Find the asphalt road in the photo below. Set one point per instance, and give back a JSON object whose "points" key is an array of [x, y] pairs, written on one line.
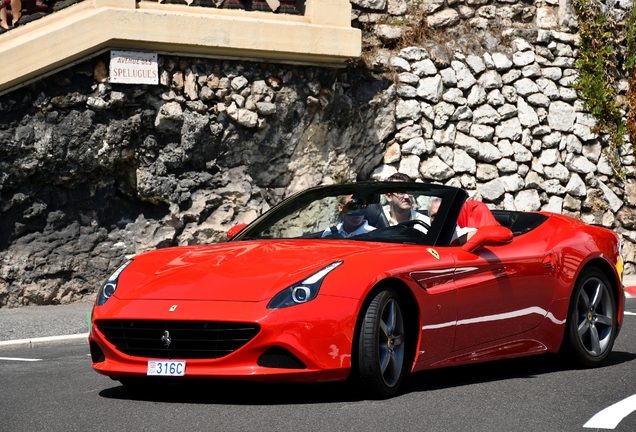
{"points": [[44, 321], [60, 392]]}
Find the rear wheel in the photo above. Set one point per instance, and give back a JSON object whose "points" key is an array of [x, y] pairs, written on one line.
{"points": [[382, 346], [591, 326]]}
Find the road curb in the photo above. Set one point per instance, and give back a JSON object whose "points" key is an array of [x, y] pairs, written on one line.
{"points": [[35, 342]]}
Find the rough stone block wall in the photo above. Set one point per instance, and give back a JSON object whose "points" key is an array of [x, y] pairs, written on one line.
{"points": [[485, 102], [510, 130]]}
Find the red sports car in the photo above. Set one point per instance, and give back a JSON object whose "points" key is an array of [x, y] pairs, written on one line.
{"points": [[366, 281]]}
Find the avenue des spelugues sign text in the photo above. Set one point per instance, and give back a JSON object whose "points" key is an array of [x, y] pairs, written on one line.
{"points": [[131, 67]]}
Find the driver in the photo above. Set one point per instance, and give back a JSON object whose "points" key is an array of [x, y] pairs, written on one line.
{"points": [[400, 205], [353, 220]]}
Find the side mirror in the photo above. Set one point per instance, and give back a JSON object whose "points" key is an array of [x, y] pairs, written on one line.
{"points": [[488, 236], [235, 230]]}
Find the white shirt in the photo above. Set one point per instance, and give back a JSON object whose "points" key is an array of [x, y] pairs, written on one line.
{"points": [[419, 216], [413, 216], [362, 229], [461, 231]]}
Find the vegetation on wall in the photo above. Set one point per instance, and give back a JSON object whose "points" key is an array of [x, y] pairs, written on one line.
{"points": [[598, 68], [630, 60]]}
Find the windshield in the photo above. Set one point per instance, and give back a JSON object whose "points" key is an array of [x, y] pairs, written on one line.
{"points": [[396, 212]]}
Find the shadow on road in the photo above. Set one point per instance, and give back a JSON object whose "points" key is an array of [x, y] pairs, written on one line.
{"points": [[250, 393], [526, 367], [236, 393]]}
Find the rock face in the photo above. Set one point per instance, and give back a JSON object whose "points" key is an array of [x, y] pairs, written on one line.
{"points": [[92, 173]]}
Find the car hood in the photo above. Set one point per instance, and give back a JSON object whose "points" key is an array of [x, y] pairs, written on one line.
{"points": [[234, 271]]}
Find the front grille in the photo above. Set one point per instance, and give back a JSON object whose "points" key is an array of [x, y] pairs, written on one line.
{"points": [[188, 339]]}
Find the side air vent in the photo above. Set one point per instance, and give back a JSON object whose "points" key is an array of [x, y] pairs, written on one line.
{"points": [[277, 357], [97, 355]]}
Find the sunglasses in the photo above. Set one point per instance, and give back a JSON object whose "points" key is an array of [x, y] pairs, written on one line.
{"points": [[400, 195], [359, 212]]}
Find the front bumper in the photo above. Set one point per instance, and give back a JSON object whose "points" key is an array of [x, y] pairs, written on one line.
{"points": [[319, 333]]}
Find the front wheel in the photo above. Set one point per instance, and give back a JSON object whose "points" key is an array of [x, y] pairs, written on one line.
{"points": [[382, 346], [591, 324]]}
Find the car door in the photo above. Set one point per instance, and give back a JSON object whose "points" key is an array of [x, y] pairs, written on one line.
{"points": [[502, 290], [437, 300]]}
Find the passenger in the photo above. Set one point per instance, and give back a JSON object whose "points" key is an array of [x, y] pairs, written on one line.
{"points": [[4, 23], [353, 220], [400, 205], [16, 13], [462, 233], [476, 214]]}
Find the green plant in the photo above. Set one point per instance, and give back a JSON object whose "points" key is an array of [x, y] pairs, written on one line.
{"points": [[391, 20], [630, 56], [630, 60], [598, 69]]}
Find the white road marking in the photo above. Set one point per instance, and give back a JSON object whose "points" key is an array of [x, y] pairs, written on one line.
{"points": [[30, 343], [19, 359], [611, 416], [630, 313]]}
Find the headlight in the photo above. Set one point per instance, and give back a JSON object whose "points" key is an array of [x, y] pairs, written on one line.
{"points": [[109, 287], [302, 292]]}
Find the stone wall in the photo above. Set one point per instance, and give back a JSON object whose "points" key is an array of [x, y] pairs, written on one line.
{"points": [[510, 130], [92, 173]]}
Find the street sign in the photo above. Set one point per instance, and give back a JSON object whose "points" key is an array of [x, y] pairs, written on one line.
{"points": [[131, 67]]}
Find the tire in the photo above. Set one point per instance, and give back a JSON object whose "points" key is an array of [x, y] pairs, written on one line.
{"points": [[591, 324], [381, 346]]}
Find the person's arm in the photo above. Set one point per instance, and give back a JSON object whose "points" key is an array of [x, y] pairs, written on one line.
{"points": [[462, 235]]}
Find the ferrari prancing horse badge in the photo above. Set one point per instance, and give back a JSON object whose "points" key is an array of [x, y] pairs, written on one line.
{"points": [[433, 252]]}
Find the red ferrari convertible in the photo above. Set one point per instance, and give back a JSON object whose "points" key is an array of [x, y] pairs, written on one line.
{"points": [[368, 282]]}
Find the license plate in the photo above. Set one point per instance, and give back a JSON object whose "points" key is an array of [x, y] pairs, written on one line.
{"points": [[166, 367]]}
